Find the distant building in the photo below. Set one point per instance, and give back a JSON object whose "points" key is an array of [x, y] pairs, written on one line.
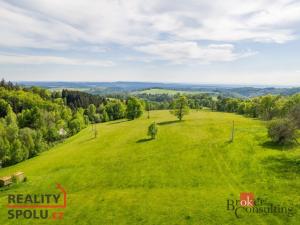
{"points": [[62, 132]]}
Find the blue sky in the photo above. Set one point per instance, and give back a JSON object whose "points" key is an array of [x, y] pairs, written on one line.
{"points": [[191, 41]]}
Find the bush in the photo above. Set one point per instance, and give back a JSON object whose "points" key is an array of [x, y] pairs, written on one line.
{"points": [[152, 130], [282, 131]]}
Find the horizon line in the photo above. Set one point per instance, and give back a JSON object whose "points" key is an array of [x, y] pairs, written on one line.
{"points": [[165, 82]]}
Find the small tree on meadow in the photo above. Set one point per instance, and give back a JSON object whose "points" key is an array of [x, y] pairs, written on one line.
{"points": [[180, 107], [152, 130]]}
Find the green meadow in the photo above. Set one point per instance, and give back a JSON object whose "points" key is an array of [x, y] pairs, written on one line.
{"points": [[185, 176], [155, 91]]}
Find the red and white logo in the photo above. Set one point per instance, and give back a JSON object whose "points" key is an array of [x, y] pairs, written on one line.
{"points": [[247, 199]]}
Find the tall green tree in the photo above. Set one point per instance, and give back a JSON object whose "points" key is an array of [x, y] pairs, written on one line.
{"points": [[26, 136], [268, 107], [91, 113], [4, 145], [74, 126], [180, 107], [3, 108], [134, 108], [294, 114], [115, 110], [18, 153], [12, 129], [104, 116]]}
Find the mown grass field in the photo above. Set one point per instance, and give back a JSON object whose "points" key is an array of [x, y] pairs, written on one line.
{"points": [[185, 176]]}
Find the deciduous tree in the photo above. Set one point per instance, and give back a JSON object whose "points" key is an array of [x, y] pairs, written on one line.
{"points": [[180, 107]]}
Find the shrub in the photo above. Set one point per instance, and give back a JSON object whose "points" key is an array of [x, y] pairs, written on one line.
{"points": [[152, 130], [282, 131]]}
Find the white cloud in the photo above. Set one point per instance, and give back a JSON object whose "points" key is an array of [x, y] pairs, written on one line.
{"points": [[42, 59], [56, 24], [181, 52]]}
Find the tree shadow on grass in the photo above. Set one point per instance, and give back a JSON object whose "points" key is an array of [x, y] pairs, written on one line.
{"points": [[284, 167], [119, 121], [168, 122], [272, 145], [228, 142], [144, 140]]}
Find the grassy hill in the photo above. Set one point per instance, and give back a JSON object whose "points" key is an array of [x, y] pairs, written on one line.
{"points": [[185, 176]]}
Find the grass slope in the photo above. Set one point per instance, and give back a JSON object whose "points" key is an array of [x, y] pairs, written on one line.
{"points": [[183, 177]]}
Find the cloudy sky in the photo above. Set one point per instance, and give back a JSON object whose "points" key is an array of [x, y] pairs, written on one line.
{"points": [[191, 41]]}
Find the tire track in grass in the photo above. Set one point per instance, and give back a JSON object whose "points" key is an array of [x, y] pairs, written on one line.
{"points": [[212, 145], [220, 158], [225, 176], [242, 187], [229, 169], [229, 174]]}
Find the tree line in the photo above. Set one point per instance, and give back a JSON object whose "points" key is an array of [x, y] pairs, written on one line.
{"points": [[166, 101], [283, 112]]}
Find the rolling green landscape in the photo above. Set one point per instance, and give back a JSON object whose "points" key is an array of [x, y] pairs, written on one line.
{"points": [[163, 112], [184, 176], [104, 88]]}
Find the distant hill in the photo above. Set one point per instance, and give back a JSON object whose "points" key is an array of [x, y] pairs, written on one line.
{"points": [[128, 87]]}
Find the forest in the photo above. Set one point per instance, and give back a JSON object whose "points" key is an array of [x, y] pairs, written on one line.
{"points": [[33, 119]]}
